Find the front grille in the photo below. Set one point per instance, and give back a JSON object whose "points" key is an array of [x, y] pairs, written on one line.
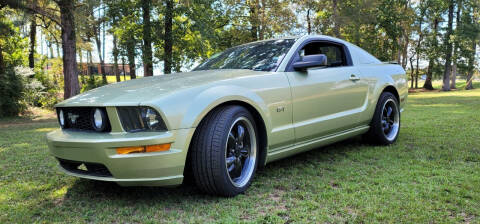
{"points": [[80, 118], [92, 169]]}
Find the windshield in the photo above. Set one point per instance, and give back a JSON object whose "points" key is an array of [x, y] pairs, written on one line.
{"points": [[258, 56]]}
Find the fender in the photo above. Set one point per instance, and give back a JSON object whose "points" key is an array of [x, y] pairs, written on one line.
{"points": [[212, 97]]}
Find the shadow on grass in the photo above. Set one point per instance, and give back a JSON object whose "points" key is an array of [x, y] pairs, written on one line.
{"points": [[91, 191]]}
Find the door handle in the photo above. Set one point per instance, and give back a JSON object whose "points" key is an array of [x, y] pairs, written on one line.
{"points": [[354, 77]]}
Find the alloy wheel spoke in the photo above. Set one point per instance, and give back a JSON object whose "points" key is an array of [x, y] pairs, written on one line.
{"points": [[244, 152], [231, 138], [389, 111], [238, 168], [240, 133], [230, 169], [230, 160]]}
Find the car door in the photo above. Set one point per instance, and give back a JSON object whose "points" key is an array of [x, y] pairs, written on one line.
{"points": [[327, 99]]}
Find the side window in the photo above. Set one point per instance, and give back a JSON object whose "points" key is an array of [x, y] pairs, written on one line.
{"points": [[335, 53]]}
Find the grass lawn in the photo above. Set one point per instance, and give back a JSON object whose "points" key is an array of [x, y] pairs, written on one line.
{"points": [[432, 174], [112, 78]]}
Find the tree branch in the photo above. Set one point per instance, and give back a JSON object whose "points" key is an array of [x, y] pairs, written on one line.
{"points": [[16, 4]]}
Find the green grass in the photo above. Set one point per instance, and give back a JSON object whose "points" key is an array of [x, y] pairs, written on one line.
{"points": [[430, 175]]}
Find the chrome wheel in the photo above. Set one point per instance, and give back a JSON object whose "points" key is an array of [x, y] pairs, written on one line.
{"points": [[390, 119], [241, 152]]}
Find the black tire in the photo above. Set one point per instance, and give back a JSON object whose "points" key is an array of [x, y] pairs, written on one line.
{"points": [[209, 151], [379, 132]]}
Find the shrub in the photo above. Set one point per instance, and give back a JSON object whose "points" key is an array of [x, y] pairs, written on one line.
{"points": [[33, 89], [92, 82], [11, 90]]}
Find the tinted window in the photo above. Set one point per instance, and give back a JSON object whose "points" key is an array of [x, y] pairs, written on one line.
{"points": [[258, 56], [335, 53]]}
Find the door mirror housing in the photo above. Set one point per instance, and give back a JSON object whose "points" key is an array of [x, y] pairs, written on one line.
{"points": [[309, 61]]}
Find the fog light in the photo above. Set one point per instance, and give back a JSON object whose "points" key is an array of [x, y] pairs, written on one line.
{"points": [[142, 149], [99, 120]]}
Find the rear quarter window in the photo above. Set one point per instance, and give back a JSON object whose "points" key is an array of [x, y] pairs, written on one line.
{"points": [[363, 57]]}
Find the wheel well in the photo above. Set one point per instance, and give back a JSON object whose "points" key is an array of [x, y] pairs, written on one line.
{"points": [[262, 131], [392, 90]]}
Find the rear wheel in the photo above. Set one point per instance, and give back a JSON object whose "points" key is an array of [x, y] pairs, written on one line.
{"points": [[385, 125], [224, 151]]}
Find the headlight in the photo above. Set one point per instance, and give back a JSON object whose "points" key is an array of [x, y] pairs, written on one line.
{"points": [[140, 119], [151, 117], [99, 120], [61, 118]]}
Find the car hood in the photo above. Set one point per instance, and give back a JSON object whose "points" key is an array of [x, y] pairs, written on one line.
{"points": [[134, 92]]}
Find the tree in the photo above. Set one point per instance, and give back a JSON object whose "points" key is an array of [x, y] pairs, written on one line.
{"points": [[336, 22], [448, 49], [470, 31], [33, 34], [147, 38], [68, 36], [456, 44], [69, 48], [127, 29], [434, 12], [168, 36]]}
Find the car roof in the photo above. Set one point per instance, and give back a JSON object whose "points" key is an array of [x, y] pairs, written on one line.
{"points": [[304, 37]]}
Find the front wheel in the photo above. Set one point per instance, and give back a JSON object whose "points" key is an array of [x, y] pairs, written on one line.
{"points": [[385, 125], [225, 151]]}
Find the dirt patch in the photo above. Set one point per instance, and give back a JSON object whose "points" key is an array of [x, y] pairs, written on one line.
{"points": [[29, 117]]}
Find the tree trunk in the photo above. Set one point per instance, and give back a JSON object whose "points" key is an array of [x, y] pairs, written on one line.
{"points": [[123, 68], [261, 20], [448, 53], [89, 64], [411, 72], [69, 50], [33, 34], [455, 47], [405, 52], [428, 81], [168, 45], [131, 58], [58, 50], [254, 19], [2, 63], [453, 77], [309, 23], [416, 81], [147, 39], [416, 70], [471, 67], [336, 24], [115, 58], [82, 73], [102, 62]]}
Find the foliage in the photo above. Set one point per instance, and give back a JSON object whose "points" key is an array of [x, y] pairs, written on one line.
{"points": [[405, 31], [11, 88], [32, 88], [92, 82]]}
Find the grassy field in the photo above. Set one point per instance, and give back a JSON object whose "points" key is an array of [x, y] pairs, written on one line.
{"points": [[430, 175]]}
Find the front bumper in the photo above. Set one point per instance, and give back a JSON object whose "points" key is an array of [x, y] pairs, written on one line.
{"points": [[139, 169]]}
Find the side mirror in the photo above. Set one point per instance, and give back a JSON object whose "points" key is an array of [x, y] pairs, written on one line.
{"points": [[309, 61]]}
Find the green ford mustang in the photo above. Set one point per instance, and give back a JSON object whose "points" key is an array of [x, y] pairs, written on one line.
{"points": [[236, 112]]}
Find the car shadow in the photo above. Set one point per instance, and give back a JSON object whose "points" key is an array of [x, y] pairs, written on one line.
{"points": [[90, 190]]}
